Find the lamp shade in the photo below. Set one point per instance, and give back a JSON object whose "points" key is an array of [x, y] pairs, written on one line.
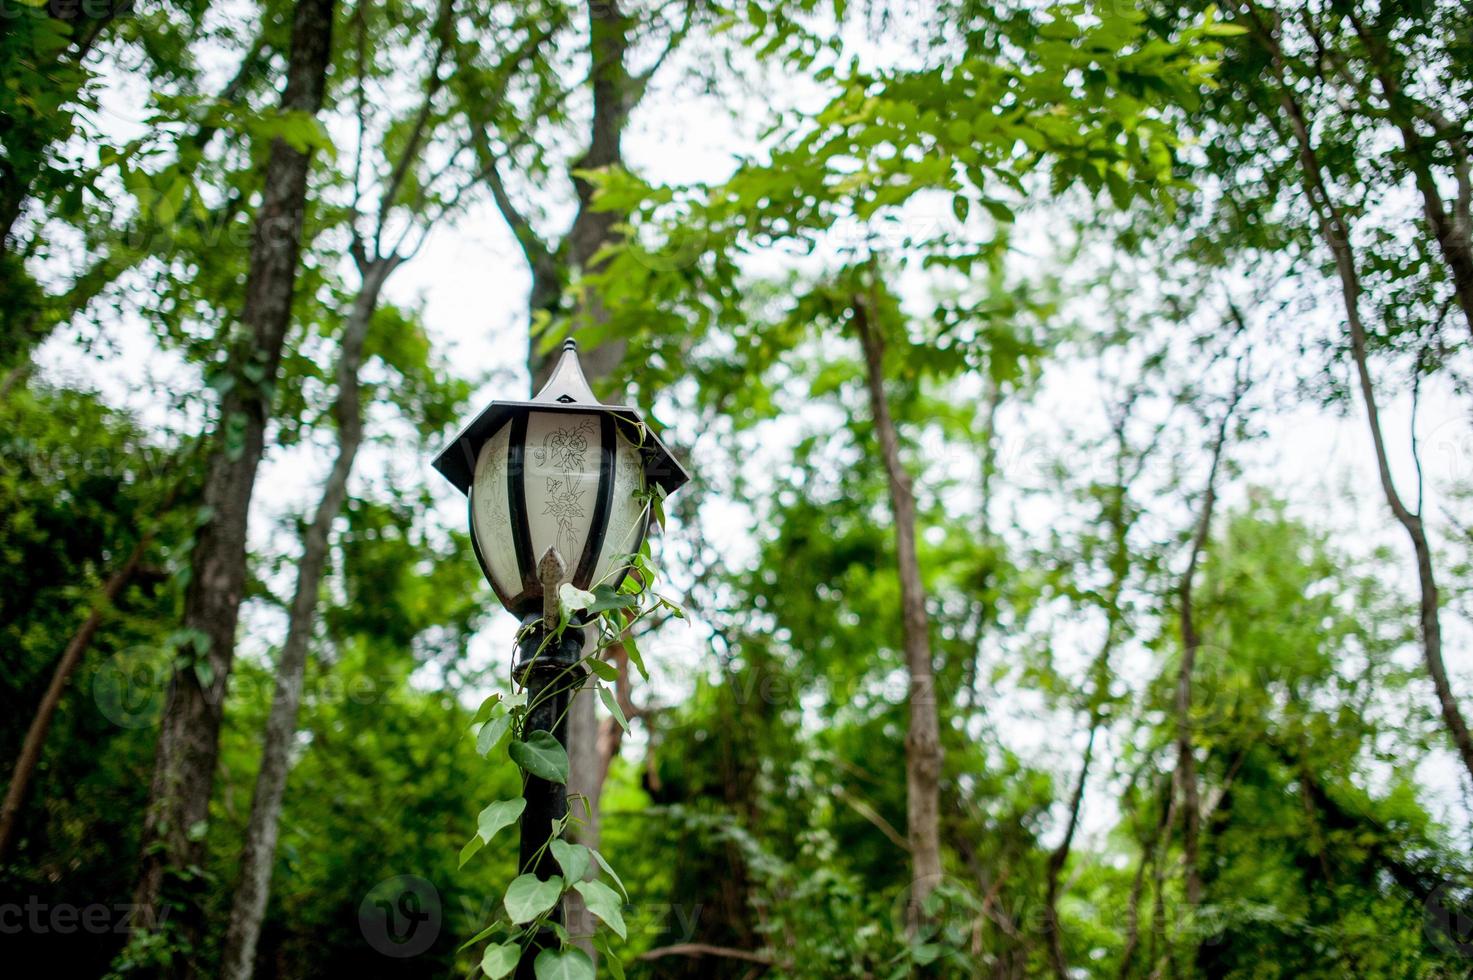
{"points": [[562, 470]]}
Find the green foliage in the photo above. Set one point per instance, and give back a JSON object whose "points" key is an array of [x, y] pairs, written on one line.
{"points": [[610, 614]]}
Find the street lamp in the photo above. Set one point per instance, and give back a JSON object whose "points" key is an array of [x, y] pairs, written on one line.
{"points": [[559, 489]]}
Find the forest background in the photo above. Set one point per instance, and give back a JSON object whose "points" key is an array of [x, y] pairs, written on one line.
{"points": [[1075, 581]]}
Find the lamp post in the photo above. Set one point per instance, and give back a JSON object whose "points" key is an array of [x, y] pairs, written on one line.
{"points": [[558, 489]]}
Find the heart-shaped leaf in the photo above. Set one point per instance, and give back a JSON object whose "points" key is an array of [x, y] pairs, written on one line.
{"points": [[487, 709], [502, 813], [603, 902], [606, 598], [541, 755], [635, 657], [611, 963], [563, 964], [491, 733], [574, 598], [493, 927], [500, 959], [527, 897], [572, 858]]}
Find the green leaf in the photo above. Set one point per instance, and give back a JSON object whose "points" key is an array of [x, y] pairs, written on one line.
{"points": [[1000, 211], [563, 964], [611, 961], [572, 858], [469, 850], [542, 756], [487, 709], [527, 897], [602, 669], [635, 657], [609, 870], [606, 597], [493, 927], [603, 902], [613, 706], [574, 598], [491, 734], [500, 959], [502, 813]]}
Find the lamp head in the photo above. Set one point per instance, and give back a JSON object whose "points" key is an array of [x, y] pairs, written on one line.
{"points": [[563, 470]]}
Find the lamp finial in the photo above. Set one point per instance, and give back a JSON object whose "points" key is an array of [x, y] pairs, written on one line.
{"points": [[567, 384]]}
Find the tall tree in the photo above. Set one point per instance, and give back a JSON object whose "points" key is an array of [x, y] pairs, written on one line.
{"points": [[923, 736], [190, 729], [1186, 784], [376, 253], [1117, 518], [259, 852], [1432, 144], [1334, 227]]}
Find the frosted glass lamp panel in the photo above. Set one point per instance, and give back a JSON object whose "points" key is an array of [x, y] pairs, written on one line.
{"points": [[491, 515], [561, 465], [628, 512]]}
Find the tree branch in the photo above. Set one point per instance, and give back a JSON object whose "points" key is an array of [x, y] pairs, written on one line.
{"points": [[705, 949]]}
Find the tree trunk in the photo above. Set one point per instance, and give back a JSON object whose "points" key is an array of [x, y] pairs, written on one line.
{"points": [[173, 841], [1335, 230], [15, 376], [258, 854], [30, 752], [923, 738], [1057, 859], [592, 231], [1116, 515], [1191, 643], [1149, 846]]}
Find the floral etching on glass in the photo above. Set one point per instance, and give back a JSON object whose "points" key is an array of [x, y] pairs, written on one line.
{"points": [[565, 450]]}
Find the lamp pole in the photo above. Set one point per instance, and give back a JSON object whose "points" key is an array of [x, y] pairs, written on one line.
{"points": [[570, 479], [550, 673]]}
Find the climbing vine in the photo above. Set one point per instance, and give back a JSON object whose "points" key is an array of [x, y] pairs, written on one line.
{"points": [[611, 609]]}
